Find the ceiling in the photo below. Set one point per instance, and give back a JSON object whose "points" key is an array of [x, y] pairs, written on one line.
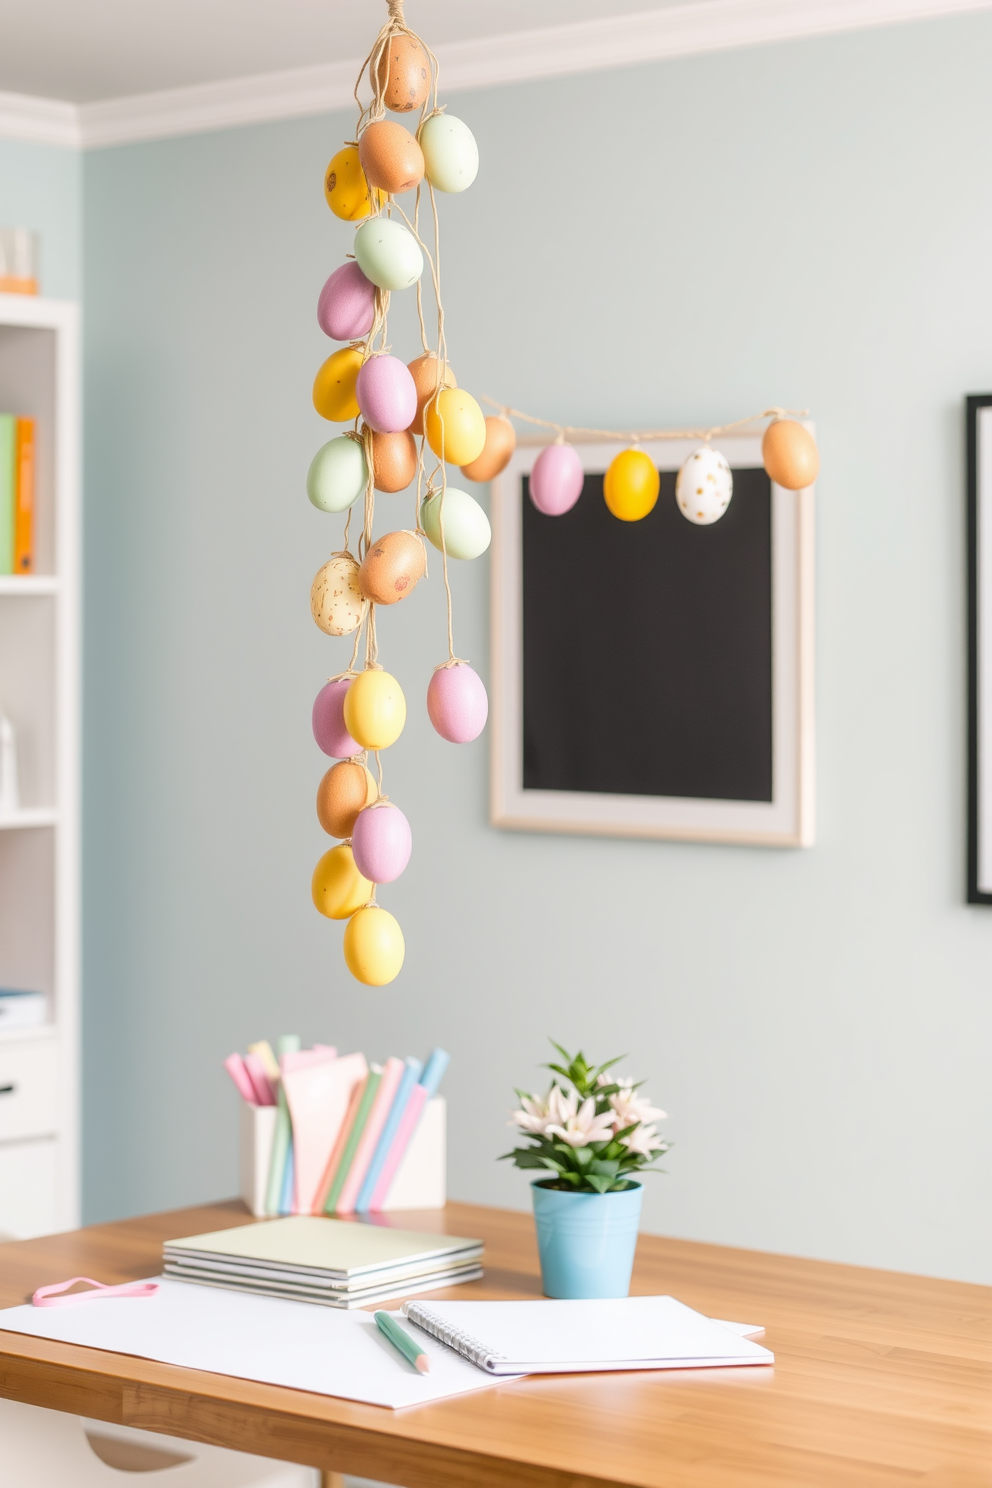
{"points": [[88, 50]]}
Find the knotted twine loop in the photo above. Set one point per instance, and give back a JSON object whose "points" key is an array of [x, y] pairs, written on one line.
{"points": [[452, 661], [637, 436]]}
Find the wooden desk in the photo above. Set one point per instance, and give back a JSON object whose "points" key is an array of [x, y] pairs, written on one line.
{"points": [[881, 1379]]}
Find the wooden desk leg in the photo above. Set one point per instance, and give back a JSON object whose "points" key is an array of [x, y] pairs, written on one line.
{"points": [[331, 1480]]}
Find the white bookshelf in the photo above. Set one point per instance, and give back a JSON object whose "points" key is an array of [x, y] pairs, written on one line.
{"points": [[39, 844]]}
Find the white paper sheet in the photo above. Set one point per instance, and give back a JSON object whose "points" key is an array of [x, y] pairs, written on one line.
{"points": [[256, 1338]]}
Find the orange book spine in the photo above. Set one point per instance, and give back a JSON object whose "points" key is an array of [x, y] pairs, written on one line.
{"points": [[24, 498]]}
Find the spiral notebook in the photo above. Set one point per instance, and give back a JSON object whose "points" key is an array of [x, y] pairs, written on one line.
{"points": [[578, 1337]]}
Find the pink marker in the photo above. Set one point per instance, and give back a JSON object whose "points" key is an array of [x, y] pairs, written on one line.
{"points": [[235, 1067], [265, 1094]]}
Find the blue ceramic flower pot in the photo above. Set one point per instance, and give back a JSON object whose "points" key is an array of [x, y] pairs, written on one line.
{"points": [[586, 1240]]}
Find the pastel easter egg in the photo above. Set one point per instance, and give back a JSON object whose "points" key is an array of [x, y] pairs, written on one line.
{"points": [[346, 190], [334, 394], [386, 394], [556, 480], [388, 254], [338, 474], [704, 486], [455, 426], [451, 155], [403, 74], [327, 720], [373, 946], [789, 454], [391, 158], [382, 842], [631, 485], [343, 792], [337, 887], [375, 709], [467, 532], [428, 381], [337, 603], [392, 567], [394, 460], [457, 703], [501, 441], [346, 307]]}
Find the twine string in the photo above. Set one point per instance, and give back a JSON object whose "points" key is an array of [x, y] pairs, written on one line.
{"points": [[645, 436]]}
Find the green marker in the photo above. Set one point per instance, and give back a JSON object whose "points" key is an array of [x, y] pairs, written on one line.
{"points": [[400, 1339]]}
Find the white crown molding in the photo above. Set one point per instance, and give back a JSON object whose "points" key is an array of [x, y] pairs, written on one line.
{"points": [[555, 51], [40, 121]]}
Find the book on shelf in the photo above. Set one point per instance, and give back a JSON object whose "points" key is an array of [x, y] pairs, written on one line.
{"points": [[17, 494]]}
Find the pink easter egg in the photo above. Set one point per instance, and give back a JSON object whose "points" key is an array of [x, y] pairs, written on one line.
{"points": [[328, 721], [381, 842], [346, 308], [387, 394], [556, 480], [457, 703]]}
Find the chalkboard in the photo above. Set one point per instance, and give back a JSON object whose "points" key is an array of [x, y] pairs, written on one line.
{"points": [[654, 678], [647, 647]]}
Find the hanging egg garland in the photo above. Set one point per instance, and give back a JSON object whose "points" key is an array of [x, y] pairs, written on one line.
{"points": [[411, 410]]}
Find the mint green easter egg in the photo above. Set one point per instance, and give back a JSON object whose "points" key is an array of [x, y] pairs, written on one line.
{"points": [[388, 253], [338, 474], [451, 156], [466, 527]]}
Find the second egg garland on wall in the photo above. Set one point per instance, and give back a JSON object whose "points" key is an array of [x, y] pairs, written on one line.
{"points": [[410, 420]]}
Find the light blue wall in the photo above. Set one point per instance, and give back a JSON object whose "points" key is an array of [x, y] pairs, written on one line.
{"points": [[802, 224], [41, 188]]}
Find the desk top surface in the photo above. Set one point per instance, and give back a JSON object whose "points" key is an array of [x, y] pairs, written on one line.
{"points": [[880, 1379]]}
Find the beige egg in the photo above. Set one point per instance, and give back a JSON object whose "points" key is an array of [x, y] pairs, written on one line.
{"points": [[404, 74], [392, 567], [789, 455], [344, 791], [390, 157], [501, 441], [336, 599], [423, 370], [394, 460]]}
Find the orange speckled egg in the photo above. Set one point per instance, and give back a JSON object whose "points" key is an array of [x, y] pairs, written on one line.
{"points": [[392, 567], [394, 460], [789, 455], [501, 441], [424, 371], [345, 790], [403, 72], [336, 600], [391, 158]]}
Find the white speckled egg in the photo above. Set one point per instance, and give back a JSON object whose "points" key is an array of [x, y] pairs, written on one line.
{"points": [[704, 486], [451, 155], [336, 599]]}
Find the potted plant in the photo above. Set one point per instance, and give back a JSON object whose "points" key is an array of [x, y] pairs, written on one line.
{"points": [[593, 1134]]}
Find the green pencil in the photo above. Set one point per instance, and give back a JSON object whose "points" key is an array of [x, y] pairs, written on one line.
{"points": [[400, 1339]]}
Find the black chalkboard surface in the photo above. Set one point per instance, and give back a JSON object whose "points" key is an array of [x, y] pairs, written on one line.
{"points": [[647, 647]]}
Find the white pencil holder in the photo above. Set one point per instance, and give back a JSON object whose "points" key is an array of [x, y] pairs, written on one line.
{"points": [[420, 1181]]}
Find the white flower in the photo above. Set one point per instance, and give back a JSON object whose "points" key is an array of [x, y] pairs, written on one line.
{"points": [[580, 1125], [538, 1113], [643, 1140], [629, 1107]]}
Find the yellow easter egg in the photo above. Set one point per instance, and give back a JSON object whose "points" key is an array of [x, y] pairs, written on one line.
{"points": [[630, 485], [346, 190], [373, 946], [374, 710], [334, 395], [337, 887], [456, 426]]}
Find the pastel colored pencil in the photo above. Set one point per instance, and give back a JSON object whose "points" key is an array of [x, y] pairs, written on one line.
{"points": [[288, 1174], [392, 1073], [422, 1092], [287, 1044], [265, 1091], [337, 1151], [263, 1050], [411, 1075], [354, 1137], [236, 1069]]}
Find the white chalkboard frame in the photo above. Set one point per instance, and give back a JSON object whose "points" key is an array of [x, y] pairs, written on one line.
{"points": [[788, 820]]}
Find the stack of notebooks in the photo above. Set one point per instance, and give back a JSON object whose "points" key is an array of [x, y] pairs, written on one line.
{"points": [[334, 1262], [17, 442]]}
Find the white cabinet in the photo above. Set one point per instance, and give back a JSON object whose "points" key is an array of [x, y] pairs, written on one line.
{"points": [[39, 844]]}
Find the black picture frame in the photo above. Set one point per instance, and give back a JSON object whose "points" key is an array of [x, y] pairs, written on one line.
{"points": [[978, 441]]}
